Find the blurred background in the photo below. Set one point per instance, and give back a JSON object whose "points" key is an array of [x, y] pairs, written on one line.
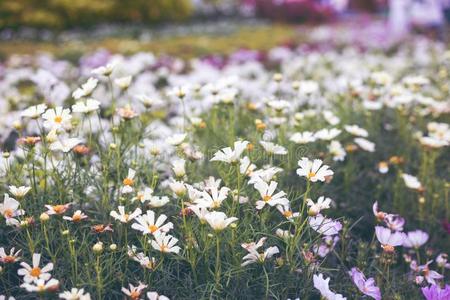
{"points": [[201, 27]]}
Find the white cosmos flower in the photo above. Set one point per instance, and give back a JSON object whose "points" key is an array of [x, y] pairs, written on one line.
{"points": [[287, 212], [34, 112], [265, 175], [57, 118], [303, 137], [86, 89], [9, 209], [178, 187], [75, 294], [156, 201], [123, 216], [64, 144], [156, 296], [229, 155], [272, 148], [123, 82], [335, 148], [415, 239], [143, 196], [165, 243], [178, 167], [20, 191], [324, 225], [34, 273], [200, 212], [327, 134], [41, 285], [322, 284], [365, 144], [315, 208], [128, 182], [148, 225], [254, 256], [134, 292], [87, 106], [219, 220], [356, 130], [267, 197], [411, 181], [432, 142], [214, 198], [246, 167], [104, 70], [331, 118], [176, 139], [313, 170]]}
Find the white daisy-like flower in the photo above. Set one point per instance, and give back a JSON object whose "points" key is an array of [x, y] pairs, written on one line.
{"points": [[34, 273], [272, 148], [123, 216], [365, 144], [57, 118], [148, 224], [267, 195], [313, 170], [75, 294], [219, 220], [303, 137], [87, 106], [34, 112], [327, 134], [165, 243], [86, 89], [229, 155], [356, 130], [316, 208], [123, 82]]}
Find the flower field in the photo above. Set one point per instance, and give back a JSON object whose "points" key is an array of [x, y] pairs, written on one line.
{"points": [[314, 171]]}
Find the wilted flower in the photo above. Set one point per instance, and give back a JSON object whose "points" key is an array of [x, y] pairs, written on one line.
{"points": [[12, 257]]}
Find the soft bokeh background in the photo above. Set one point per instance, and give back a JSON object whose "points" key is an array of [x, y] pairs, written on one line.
{"points": [[189, 28]]}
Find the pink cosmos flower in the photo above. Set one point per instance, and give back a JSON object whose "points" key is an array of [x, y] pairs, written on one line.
{"points": [[366, 286], [415, 239], [389, 239]]}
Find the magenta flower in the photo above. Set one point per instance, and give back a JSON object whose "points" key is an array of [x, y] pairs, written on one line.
{"points": [[415, 239], [434, 292], [366, 286], [389, 239]]}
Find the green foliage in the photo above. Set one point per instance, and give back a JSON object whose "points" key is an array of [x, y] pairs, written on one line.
{"points": [[59, 14]]}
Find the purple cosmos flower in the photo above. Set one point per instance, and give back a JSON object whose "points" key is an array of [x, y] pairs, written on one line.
{"points": [[389, 239], [424, 272], [415, 239], [434, 292], [366, 286], [394, 222]]}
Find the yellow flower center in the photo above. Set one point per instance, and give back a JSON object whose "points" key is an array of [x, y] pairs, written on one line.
{"points": [[152, 228], [311, 174], [76, 218], [163, 248], [59, 209], [35, 272], [388, 248], [267, 198], [8, 213], [126, 216], [135, 295], [58, 119], [128, 181], [287, 214]]}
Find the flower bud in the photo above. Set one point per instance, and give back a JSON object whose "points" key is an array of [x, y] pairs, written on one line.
{"points": [[44, 217], [98, 247]]}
